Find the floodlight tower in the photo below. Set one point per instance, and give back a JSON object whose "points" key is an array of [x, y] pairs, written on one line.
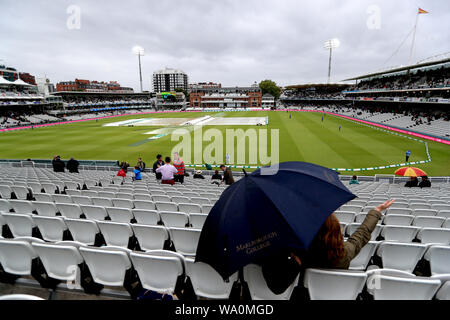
{"points": [[139, 51], [330, 45]]}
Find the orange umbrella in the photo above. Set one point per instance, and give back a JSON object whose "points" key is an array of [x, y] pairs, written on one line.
{"points": [[410, 172]]}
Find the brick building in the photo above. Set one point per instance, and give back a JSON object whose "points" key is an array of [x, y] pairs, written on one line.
{"points": [[231, 97], [91, 86]]}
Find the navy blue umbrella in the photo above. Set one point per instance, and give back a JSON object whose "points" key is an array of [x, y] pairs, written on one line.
{"points": [[260, 215]]}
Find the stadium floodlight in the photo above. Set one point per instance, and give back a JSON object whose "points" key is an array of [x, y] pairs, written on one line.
{"points": [[139, 51], [330, 45]]}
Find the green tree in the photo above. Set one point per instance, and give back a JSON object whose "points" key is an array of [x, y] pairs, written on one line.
{"points": [[269, 86], [186, 94]]}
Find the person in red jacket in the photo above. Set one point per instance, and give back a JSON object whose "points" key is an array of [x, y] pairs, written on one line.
{"points": [[178, 163], [122, 173]]}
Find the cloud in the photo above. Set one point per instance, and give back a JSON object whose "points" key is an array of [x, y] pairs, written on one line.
{"points": [[229, 41]]}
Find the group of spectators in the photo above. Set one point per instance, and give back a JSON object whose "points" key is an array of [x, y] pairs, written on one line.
{"points": [[60, 166], [169, 172], [414, 182]]}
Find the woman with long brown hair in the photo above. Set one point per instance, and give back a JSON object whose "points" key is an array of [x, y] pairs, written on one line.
{"points": [[329, 250]]}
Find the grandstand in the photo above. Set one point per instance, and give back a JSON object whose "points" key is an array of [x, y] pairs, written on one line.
{"points": [[61, 220]]}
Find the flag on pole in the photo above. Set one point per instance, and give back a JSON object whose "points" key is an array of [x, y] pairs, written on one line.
{"points": [[421, 11]]}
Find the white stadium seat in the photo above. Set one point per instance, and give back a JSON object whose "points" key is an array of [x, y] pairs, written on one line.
{"points": [[207, 283], [48, 209], [51, 228], [150, 237], [115, 233], [439, 258], [94, 212], [333, 284], [149, 217], [21, 225], [69, 210], [185, 240], [16, 257], [120, 214], [401, 256], [83, 230]]}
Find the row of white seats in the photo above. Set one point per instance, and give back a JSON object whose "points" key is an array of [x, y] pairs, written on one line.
{"points": [[51, 209], [416, 205], [160, 270], [149, 237], [403, 233], [420, 218]]}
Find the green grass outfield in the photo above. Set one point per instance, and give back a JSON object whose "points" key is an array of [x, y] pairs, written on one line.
{"points": [[303, 138]]}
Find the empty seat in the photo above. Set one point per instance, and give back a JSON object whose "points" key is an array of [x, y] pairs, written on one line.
{"points": [[424, 212], [419, 206], [207, 283], [143, 197], [180, 199], [5, 206], [428, 222], [123, 203], [401, 256], [399, 205], [20, 192], [190, 207], [185, 240], [444, 213], [20, 297], [197, 220], [125, 196], [60, 261], [5, 192], [351, 208], [334, 285], [83, 230], [439, 258], [120, 214], [157, 273], [49, 187], [150, 237], [352, 227], [361, 261], [206, 208], [446, 223], [174, 219], [72, 185], [440, 207], [161, 198], [166, 206], [82, 200], [200, 201], [22, 206], [94, 212], [434, 235], [115, 233], [149, 217], [69, 210], [108, 266], [404, 211], [144, 205], [16, 257], [399, 288], [345, 216], [399, 233], [51, 228], [62, 198], [21, 225], [258, 287], [106, 194], [102, 202], [398, 219], [45, 208], [88, 193], [43, 197], [35, 187], [72, 192]]}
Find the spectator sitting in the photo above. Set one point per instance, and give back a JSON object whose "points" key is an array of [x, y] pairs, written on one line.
{"points": [[72, 165], [425, 183], [167, 172], [413, 182], [354, 180], [141, 164], [198, 175], [137, 173], [216, 176], [58, 164]]}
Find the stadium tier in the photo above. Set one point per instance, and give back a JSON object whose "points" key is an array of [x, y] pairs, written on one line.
{"points": [[67, 225]]}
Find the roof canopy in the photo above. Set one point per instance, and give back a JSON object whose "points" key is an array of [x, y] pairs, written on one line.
{"points": [[20, 82], [4, 81]]}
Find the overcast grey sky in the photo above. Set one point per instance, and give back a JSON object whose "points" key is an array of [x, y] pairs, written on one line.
{"points": [[228, 41]]}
